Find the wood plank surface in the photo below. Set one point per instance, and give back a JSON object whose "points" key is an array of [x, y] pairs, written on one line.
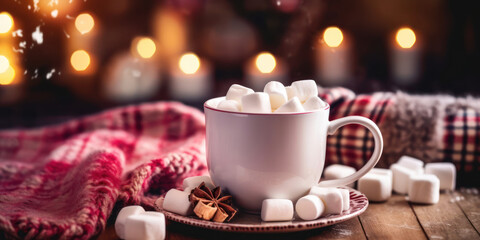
{"points": [[445, 220], [470, 204], [393, 219]]}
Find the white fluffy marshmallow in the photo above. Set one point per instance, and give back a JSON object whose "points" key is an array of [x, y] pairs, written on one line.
{"points": [[376, 185], [331, 197], [194, 182], [229, 105], [346, 198], [258, 102], [401, 178], [414, 164], [424, 188], [277, 93], [236, 92], [314, 103], [309, 207], [177, 201], [304, 89], [145, 226], [122, 218], [290, 92], [277, 210], [336, 171], [293, 105], [445, 172]]}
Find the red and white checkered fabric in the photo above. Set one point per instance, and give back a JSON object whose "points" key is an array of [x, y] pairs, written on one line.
{"points": [[63, 181]]}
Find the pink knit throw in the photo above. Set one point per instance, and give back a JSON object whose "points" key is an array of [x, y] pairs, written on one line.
{"points": [[63, 181]]}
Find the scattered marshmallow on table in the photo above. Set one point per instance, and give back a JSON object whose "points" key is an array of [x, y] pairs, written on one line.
{"points": [[309, 207], [293, 105], [411, 163], [424, 188], [277, 93], [331, 197], [401, 178], [229, 105], [258, 102], [445, 172], [314, 103], [122, 217], [346, 198], [304, 89], [145, 226], [236, 92], [336, 171], [277, 210], [376, 185], [197, 180], [177, 201]]}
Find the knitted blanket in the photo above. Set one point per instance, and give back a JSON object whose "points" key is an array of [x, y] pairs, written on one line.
{"points": [[64, 181]]}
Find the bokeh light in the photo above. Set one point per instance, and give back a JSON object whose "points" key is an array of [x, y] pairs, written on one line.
{"points": [[84, 23], [265, 62], [333, 36], [405, 37], [7, 76], [189, 63], [145, 47], [4, 64], [80, 60], [6, 22]]}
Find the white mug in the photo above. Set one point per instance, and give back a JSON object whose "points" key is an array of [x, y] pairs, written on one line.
{"points": [[276, 155]]}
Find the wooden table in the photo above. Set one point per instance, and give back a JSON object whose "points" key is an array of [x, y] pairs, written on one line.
{"points": [[456, 216]]}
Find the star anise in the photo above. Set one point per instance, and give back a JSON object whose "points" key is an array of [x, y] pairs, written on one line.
{"points": [[210, 204]]}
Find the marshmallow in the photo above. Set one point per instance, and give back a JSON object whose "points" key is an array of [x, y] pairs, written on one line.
{"points": [[305, 89], [346, 198], [145, 226], [411, 163], [383, 171], [445, 172], [290, 92], [293, 105], [336, 171], [229, 105], [236, 92], [258, 102], [122, 218], [401, 177], [331, 197], [277, 93], [309, 207], [277, 210], [424, 188], [376, 185], [188, 189], [314, 103], [196, 181], [177, 201]]}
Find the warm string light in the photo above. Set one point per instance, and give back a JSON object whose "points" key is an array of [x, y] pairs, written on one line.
{"points": [[144, 46], [4, 63], [333, 37], [84, 23], [265, 62], [7, 76], [6, 22], [405, 37], [189, 63], [80, 60]]}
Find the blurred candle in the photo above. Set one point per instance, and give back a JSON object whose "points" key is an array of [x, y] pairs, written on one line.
{"points": [[191, 79], [264, 68], [333, 57], [405, 57]]}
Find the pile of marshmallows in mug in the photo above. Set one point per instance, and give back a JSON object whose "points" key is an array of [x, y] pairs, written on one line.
{"points": [[301, 96]]}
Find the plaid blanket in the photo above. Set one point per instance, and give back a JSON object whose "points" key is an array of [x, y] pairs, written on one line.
{"points": [[64, 181]]}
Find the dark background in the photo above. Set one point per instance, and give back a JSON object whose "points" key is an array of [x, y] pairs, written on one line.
{"points": [[447, 33]]}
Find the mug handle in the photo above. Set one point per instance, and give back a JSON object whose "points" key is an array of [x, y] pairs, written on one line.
{"points": [[377, 152]]}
